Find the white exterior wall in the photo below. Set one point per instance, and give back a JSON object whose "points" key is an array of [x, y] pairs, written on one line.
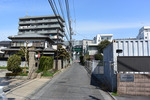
{"points": [[55, 47], [144, 33], [130, 48], [93, 52], [101, 37], [4, 64]]}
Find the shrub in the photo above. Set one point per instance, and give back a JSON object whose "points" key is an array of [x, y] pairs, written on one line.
{"points": [[87, 57], [98, 57], [13, 63], [46, 63], [82, 60]]}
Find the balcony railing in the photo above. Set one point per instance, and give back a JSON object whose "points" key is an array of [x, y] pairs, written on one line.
{"points": [[41, 32], [22, 44], [39, 21], [38, 27]]}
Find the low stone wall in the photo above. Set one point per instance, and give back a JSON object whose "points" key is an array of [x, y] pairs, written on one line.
{"points": [[140, 85]]}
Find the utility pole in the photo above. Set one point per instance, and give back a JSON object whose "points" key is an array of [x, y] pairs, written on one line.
{"points": [[57, 52], [70, 40], [26, 57]]}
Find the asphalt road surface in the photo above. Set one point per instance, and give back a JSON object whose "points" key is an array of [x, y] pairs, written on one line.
{"points": [[73, 84]]}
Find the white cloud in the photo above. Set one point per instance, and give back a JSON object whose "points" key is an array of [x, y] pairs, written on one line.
{"points": [[92, 27]]}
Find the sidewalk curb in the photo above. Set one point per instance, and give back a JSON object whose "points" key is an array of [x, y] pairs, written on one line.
{"points": [[18, 86], [11, 87], [112, 96]]}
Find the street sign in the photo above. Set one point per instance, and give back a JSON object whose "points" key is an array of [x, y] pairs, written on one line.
{"points": [[77, 49], [126, 78]]}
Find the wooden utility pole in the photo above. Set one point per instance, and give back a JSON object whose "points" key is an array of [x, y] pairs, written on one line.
{"points": [[26, 56], [56, 68]]}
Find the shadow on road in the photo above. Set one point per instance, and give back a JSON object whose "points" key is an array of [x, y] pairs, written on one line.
{"points": [[94, 81], [5, 82], [93, 98], [11, 98]]}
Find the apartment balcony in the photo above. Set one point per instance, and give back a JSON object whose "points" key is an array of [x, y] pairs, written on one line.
{"points": [[38, 27], [40, 21], [23, 44], [42, 32]]}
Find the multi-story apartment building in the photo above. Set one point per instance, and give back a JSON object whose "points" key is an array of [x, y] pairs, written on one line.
{"points": [[44, 25], [144, 33], [39, 32]]}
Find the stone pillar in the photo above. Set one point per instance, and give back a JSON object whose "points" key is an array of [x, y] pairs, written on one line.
{"points": [[32, 62]]}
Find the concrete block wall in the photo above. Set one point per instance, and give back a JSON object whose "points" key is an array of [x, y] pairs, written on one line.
{"points": [[140, 86]]}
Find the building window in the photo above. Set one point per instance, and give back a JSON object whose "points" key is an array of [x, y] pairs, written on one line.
{"points": [[22, 44], [146, 30]]}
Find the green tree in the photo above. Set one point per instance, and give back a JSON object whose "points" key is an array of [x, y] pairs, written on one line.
{"points": [[103, 45], [13, 63], [62, 53], [98, 57], [21, 52]]}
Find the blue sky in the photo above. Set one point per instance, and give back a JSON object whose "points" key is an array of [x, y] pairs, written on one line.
{"points": [[122, 18]]}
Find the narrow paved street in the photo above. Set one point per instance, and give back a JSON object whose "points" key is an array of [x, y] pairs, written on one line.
{"points": [[73, 84]]}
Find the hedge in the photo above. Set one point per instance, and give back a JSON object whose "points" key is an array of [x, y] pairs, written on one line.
{"points": [[46, 63], [13, 63]]}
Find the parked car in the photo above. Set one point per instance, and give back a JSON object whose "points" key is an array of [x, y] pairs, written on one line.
{"points": [[2, 94]]}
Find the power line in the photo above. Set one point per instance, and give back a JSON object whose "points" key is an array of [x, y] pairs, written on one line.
{"points": [[74, 14], [68, 13], [69, 21], [60, 4], [54, 10]]}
